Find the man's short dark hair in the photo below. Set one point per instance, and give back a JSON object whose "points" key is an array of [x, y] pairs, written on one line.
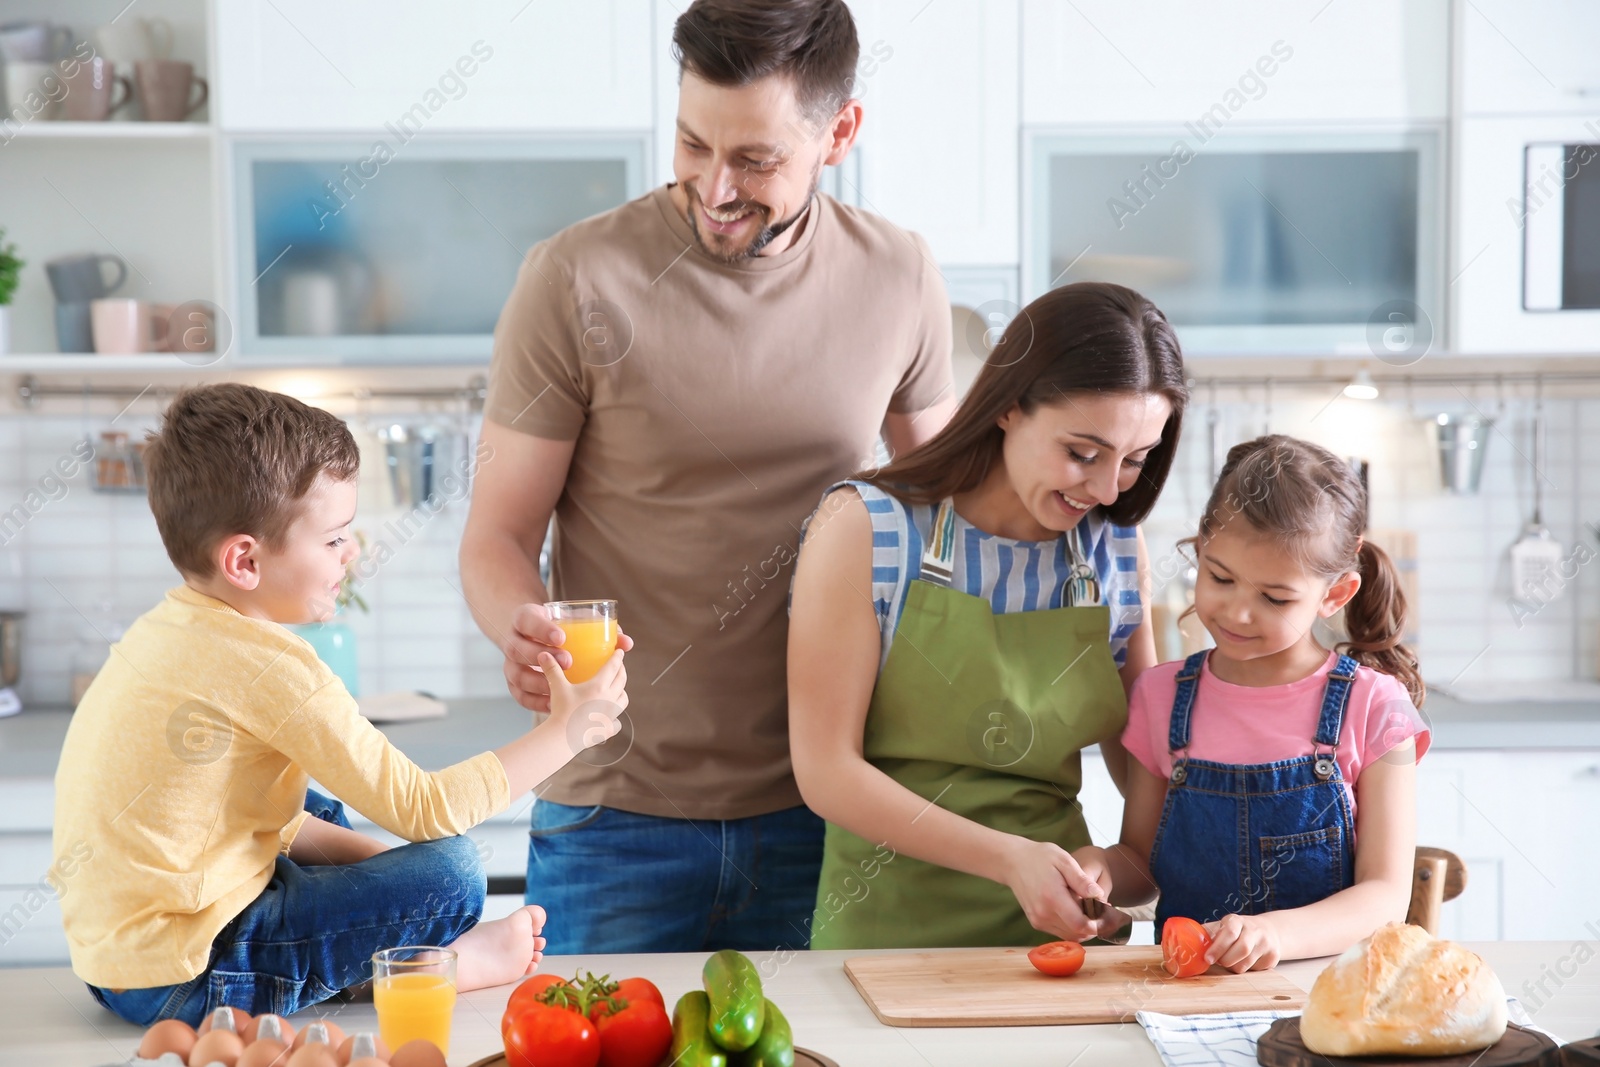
{"points": [[737, 42]]}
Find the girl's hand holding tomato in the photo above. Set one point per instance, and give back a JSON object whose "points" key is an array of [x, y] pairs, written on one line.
{"points": [[1243, 943]]}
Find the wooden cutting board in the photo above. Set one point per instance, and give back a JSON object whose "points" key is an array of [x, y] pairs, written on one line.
{"points": [[999, 987]]}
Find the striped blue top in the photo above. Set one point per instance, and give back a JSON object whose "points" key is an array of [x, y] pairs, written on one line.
{"points": [[1011, 575]]}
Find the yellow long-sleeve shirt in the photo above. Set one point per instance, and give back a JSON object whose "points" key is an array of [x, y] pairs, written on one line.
{"points": [[183, 777]]}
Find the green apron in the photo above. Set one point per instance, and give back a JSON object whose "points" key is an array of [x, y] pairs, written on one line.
{"points": [[984, 715]]}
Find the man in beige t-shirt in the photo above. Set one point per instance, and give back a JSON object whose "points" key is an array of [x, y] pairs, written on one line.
{"points": [[677, 381]]}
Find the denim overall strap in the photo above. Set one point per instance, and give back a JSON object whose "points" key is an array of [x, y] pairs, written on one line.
{"points": [[1182, 706], [1335, 698]]}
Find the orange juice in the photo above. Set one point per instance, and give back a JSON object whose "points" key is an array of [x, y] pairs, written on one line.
{"points": [[412, 1006], [591, 642]]}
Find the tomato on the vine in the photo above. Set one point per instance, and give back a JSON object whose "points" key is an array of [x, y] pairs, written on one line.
{"points": [[531, 991], [1057, 958], [544, 1035], [628, 990], [637, 1035], [1183, 947]]}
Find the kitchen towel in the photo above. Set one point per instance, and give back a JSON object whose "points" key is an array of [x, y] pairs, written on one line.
{"points": [[1228, 1039]]}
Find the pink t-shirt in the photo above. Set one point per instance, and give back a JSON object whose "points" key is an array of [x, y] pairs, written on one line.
{"points": [[1239, 724]]}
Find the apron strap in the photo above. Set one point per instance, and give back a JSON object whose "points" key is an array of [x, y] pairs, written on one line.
{"points": [[939, 559], [1082, 586], [1182, 705]]}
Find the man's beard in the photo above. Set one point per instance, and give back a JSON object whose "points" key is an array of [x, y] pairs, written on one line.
{"points": [[764, 236]]}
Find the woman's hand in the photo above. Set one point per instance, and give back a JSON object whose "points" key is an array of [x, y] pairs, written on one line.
{"points": [[1049, 884], [1243, 943]]}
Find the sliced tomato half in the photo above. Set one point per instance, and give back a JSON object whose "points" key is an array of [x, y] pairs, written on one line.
{"points": [[1058, 958]]}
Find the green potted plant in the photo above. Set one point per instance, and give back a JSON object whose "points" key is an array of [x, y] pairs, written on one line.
{"points": [[334, 640], [10, 275]]}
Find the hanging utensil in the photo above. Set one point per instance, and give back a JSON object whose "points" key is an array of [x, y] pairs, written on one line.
{"points": [[1537, 554]]}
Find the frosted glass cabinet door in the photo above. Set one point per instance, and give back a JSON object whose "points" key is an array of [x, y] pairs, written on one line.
{"points": [[346, 256], [1267, 242]]}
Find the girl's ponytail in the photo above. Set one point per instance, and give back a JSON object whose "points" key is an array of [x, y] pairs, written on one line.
{"points": [[1375, 619]]}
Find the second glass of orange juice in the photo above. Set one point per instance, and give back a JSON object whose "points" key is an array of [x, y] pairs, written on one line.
{"points": [[591, 629], [414, 992]]}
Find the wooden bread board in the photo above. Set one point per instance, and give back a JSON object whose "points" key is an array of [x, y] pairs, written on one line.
{"points": [[999, 987], [1281, 1046]]}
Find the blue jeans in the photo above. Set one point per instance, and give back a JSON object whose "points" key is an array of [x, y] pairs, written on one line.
{"points": [[614, 881], [313, 930]]}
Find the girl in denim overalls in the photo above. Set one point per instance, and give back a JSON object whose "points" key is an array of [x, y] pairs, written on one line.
{"points": [[1272, 790]]}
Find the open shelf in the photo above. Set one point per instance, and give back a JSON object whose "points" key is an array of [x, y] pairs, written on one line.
{"points": [[78, 363], [62, 130]]}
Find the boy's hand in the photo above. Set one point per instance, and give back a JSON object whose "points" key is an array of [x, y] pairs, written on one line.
{"points": [[533, 635], [1243, 943], [588, 712]]}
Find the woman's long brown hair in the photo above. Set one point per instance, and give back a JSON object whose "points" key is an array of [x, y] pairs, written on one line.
{"points": [[1088, 337], [1314, 503]]}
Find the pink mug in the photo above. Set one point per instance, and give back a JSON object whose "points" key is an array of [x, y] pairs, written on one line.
{"points": [[123, 326]]}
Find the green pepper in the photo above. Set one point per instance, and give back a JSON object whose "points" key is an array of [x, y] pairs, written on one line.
{"points": [[775, 1046], [691, 1040], [738, 1008]]}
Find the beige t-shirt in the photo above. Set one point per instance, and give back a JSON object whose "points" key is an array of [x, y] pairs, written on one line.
{"points": [[712, 404]]}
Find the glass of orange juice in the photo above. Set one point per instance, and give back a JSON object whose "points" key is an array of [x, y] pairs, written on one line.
{"points": [[414, 991], [591, 629]]}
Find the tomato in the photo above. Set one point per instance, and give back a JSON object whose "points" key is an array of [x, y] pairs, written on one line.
{"points": [[637, 1035], [542, 1035], [529, 992], [627, 991], [1183, 947], [1058, 958]]}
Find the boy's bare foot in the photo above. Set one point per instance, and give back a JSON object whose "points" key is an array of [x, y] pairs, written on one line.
{"points": [[502, 951]]}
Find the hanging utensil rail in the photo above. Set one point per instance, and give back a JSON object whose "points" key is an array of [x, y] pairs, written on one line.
{"points": [[30, 391]]}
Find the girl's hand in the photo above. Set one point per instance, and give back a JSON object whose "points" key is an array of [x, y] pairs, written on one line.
{"points": [[1049, 883], [1243, 943], [589, 713]]}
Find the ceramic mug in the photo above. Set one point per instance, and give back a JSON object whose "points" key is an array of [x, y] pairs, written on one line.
{"points": [[129, 41], [166, 89], [33, 90], [74, 332], [78, 279], [33, 42], [92, 92], [122, 325]]}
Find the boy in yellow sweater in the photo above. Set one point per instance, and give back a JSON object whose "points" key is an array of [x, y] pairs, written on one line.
{"points": [[216, 876]]}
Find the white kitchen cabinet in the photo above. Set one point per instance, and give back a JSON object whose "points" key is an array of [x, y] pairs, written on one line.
{"points": [[1529, 57], [304, 65], [938, 83], [1169, 62], [938, 147], [1487, 267]]}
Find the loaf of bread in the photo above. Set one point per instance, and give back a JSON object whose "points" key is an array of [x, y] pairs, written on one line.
{"points": [[1404, 992]]}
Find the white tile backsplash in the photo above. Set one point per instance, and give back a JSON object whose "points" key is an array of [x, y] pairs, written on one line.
{"points": [[88, 560]]}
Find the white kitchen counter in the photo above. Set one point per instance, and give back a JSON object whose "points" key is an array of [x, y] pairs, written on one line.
{"points": [[51, 1020]]}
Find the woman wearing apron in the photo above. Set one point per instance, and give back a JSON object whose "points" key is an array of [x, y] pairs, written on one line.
{"points": [[966, 620]]}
